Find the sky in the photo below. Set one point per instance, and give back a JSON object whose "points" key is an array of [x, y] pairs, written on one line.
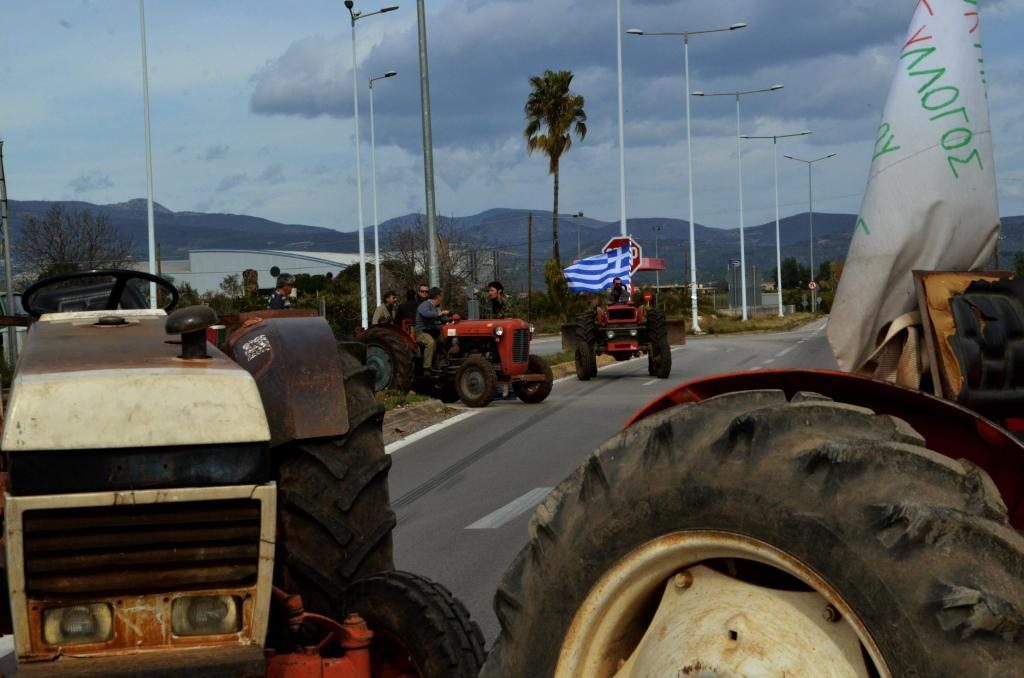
{"points": [[251, 104]]}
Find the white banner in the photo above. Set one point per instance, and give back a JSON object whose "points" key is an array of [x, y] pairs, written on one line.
{"points": [[931, 200]]}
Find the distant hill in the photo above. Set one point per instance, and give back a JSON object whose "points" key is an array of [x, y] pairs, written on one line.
{"points": [[501, 229]]}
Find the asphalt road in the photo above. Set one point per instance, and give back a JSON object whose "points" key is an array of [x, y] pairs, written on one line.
{"points": [[546, 344], [465, 493]]}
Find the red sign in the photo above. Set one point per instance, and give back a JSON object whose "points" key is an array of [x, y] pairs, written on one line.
{"points": [[648, 297], [812, 285], [634, 250]]}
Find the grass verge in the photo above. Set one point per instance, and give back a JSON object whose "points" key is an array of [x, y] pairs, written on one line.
{"points": [[766, 323], [393, 399]]}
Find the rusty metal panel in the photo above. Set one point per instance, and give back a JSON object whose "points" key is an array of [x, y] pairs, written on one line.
{"points": [[676, 331], [234, 662], [298, 370]]}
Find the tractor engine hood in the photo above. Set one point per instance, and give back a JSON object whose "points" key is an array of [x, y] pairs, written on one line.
{"points": [[86, 385]]}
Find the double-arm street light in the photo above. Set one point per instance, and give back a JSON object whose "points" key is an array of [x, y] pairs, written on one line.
{"points": [[739, 155], [810, 215], [778, 241], [356, 15], [373, 164], [689, 150]]}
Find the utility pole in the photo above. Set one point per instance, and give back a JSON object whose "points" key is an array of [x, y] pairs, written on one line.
{"points": [[657, 274], [428, 144], [12, 337], [529, 267]]}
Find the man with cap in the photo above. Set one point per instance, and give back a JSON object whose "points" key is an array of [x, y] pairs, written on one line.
{"points": [[279, 299]]}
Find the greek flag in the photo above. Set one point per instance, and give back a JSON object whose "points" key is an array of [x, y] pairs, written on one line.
{"points": [[596, 273]]}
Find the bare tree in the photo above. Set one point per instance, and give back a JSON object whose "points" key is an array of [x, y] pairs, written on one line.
{"points": [[406, 257], [64, 241]]}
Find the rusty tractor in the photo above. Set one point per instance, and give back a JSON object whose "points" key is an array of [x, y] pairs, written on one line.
{"points": [[623, 331], [796, 522], [473, 357], [175, 508]]}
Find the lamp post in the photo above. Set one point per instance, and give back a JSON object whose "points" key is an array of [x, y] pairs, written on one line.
{"points": [[373, 164], [689, 151], [623, 229], [150, 228], [356, 15], [657, 273], [577, 217], [778, 241], [428, 146], [739, 156], [810, 215]]}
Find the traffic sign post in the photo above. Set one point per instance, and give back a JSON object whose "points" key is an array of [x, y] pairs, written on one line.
{"points": [[813, 287]]}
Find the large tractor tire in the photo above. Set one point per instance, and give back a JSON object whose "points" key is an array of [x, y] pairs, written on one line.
{"points": [[536, 391], [907, 550], [476, 381], [419, 628], [586, 339], [389, 356], [334, 517], [659, 360]]}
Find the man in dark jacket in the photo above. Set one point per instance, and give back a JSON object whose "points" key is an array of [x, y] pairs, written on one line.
{"points": [[619, 293], [429, 318], [279, 299]]}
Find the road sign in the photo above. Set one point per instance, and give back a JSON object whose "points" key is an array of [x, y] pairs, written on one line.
{"points": [[648, 297], [634, 249], [812, 285]]}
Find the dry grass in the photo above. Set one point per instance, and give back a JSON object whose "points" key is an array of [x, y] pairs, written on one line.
{"points": [[764, 323]]}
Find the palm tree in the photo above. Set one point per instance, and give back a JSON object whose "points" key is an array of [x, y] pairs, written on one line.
{"points": [[553, 113]]}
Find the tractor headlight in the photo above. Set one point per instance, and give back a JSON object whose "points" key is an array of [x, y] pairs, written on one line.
{"points": [[205, 615], [632, 333], [610, 334], [532, 330], [499, 331], [92, 623]]}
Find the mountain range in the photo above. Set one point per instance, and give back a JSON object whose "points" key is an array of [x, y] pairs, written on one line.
{"points": [[500, 230]]}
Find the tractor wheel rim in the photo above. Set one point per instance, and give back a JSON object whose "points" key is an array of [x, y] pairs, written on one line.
{"points": [[711, 622], [473, 382], [380, 362]]}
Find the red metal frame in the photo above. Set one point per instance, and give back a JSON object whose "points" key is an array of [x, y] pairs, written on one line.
{"points": [[948, 428]]}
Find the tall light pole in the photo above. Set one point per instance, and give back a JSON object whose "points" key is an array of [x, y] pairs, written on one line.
{"points": [[150, 227], [657, 273], [577, 217], [356, 15], [623, 229], [689, 151], [739, 155], [810, 215], [428, 147], [778, 240], [373, 164]]}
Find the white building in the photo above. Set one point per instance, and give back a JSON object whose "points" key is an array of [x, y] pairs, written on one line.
{"points": [[204, 270]]}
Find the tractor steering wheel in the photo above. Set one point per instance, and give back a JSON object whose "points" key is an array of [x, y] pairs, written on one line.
{"points": [[120, 276]]}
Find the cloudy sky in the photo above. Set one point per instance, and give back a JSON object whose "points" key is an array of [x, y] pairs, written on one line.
{"points": [[252, 103]]}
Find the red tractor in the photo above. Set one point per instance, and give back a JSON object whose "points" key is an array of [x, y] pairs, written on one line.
{"points": [[473, 357], [623, 331]]}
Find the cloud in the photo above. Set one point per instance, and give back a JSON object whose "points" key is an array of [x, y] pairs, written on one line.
{"points": [[64, 23], [179, 149], [216, 152], [231, 182], [90, 181], [273, 174]]}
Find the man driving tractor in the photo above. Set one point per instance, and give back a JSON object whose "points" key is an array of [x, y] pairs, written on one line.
{"points": [[428, 322]]}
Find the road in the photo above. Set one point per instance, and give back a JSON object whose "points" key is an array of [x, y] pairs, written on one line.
{"points": [[546, 344], [464, 494]]}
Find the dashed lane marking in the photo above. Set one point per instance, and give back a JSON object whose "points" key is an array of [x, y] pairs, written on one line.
{"points": [[651, 382], [511, 510], [784, 352]]}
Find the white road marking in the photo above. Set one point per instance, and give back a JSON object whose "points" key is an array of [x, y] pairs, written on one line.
{"points": [[420, 435], [755, 369], [511, 510], [652, 381], [784, 352], [769, 361]]}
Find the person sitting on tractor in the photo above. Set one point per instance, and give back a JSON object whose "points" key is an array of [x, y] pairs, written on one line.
{"points": [[279, 299], [428, 322], [619, 293], [496, 305], [384, 314], [407, 309]]}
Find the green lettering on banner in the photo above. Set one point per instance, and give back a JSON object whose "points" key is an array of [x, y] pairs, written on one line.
{"points": [[884, 142], [925, 52], [962, 110], [953, 161], [968, 136], [948, 88], [862, 224], [938, 73]]}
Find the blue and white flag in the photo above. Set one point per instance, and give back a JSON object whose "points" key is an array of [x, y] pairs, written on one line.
{"points": [[596, 273]]}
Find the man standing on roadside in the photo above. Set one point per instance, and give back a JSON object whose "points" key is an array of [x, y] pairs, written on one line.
{"points": [[429, 319], [385, 313], [279, 299]]}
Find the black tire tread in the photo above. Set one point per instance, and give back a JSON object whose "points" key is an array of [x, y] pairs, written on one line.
{"points": [[402, 362], [536, 392], [334, 515], [920, 544], [477, 361]]}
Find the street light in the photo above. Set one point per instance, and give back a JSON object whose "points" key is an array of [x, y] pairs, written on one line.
{"points": [[623, 228], [150, 228], [373, 163], [577, 217], [657, 272], [778, 241], [689, 151], [739, 154], [810, 215], [356, 15]]}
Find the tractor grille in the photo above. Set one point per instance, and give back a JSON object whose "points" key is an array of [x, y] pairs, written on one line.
{"points": [[520, 346], [141, 549], [620, 314]]}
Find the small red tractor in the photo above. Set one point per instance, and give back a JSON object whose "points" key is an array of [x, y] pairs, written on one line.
{"points": [[473, 357], [622, 331], [176, 507]]}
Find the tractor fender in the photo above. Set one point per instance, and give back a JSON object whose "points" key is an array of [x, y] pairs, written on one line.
{"points": [[948, 428], [298, 371], [406, 336]]}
